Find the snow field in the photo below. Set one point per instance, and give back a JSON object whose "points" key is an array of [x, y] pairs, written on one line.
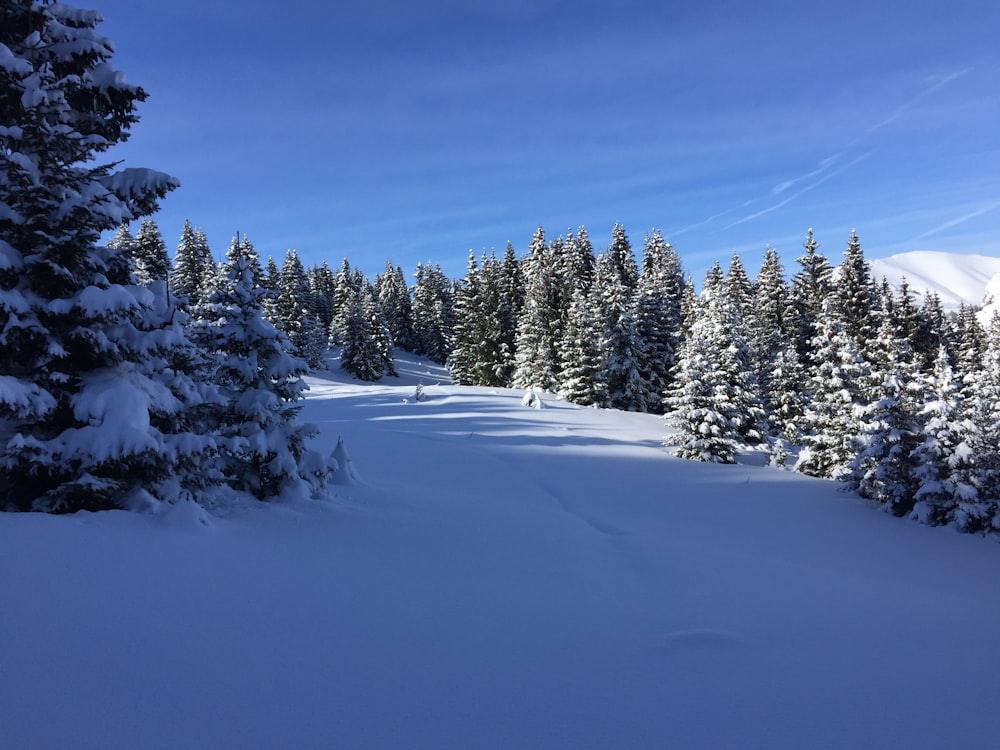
{"points": [[501, 577]]}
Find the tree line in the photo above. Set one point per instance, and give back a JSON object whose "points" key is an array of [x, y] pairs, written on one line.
{"points": [[833, 371]]}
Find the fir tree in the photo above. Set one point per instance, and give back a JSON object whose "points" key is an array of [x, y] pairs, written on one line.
{"points": [[658, 300], [580, 355], [394, 299], [883, 468], [853, 292], [713, 400], [151, 262], [433, 319], [830, 422], [944, 461], [263, 446], [367, 349], [621, 347], [194, 267], [84, 424], [536, 361], [811, 288]]}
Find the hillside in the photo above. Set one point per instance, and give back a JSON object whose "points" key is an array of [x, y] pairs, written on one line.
{"points": [[955, 277], [501, 577]]}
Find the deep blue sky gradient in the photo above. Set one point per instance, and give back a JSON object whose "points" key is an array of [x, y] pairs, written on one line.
{"points": [[418, 131]]}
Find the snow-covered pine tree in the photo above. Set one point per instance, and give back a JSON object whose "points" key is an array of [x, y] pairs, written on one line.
{"points": [[536, 361], [292, 303], [150, 262], [829, 424], [466, 355], [579, 353], [194, 267], [123, 242], [980, 393], [433, 319], [944, 470], [321, 285], [768, 325], [479, 355], [83, 422], [738, 287], [394, 298], [883, 468], [853, 292], [930, 335], [812, 285], [263, 446], [512, 298], [616, 276], [366, 352], [657, 304], [713, 400]]}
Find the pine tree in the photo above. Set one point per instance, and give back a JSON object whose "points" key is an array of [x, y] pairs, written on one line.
{"points": [[621, 347], [658, 301], [367, 349], [84, 424], [944, 460], [194, 266], [293, 303], [713, 399], [580, 355], [321, 285], [263, 445], [536, 362], [433, 319], [853, 292], [830, 422], [151, 262], [768, 325], [811, 289], [394, 299], [882, 468]]}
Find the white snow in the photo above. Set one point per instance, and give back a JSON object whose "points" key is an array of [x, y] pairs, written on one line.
{"points": [[956, 277], [501, 577]]}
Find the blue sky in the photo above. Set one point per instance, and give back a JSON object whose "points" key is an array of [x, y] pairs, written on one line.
{"points": [[418, 131]]}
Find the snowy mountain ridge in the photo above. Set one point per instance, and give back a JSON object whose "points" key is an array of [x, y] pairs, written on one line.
{"points": [[956, 277]]}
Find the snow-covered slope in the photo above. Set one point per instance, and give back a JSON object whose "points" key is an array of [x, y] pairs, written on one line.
{"points": [[502, 577], [955, 277]]}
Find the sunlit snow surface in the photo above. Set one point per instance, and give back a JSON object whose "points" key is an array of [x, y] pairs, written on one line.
{"points": [[502, 577]]}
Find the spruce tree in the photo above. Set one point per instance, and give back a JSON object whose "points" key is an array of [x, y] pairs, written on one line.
{"points": [[621, 347], [263, 446], [658, 300], [394, 299], [536, 362], [194, 266], [811, 288], [367, 348], [853, 292], [150, 262], [84, 424], [433, 319], [829, 424], [883, 468], [945, 460]]}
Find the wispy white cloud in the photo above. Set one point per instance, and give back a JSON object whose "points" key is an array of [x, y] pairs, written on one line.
{"points": [[806, 189], [823, 166], [938, 82], [956, 221]]}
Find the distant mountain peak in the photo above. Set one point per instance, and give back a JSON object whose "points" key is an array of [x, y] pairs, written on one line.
{"points": [[956, 277]]}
